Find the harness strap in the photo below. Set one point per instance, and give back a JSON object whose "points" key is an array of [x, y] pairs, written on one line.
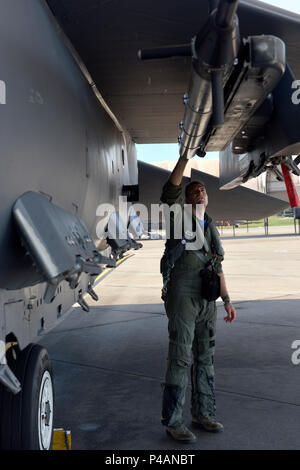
{"points": [[216, 240], [201, 256], [174, 254]]}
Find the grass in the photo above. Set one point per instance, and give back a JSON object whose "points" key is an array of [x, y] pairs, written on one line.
{"points": [[273, 221]]}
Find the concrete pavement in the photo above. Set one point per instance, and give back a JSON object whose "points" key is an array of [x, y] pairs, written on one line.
{"points": [[109, 364]]}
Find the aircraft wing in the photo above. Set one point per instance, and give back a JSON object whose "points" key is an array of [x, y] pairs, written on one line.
{"points": [[146, 96], [239, 203]]}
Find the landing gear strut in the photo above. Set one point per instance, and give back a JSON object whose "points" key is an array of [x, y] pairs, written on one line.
{"points": [[290, 187]]}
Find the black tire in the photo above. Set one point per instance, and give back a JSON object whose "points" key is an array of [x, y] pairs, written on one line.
{"points": [[20, 416]]}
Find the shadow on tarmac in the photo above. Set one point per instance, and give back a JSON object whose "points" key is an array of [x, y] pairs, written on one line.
{"points": [[109, 366]]}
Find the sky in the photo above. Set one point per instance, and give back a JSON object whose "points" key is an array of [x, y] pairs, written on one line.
{"points": [[163, 152]]}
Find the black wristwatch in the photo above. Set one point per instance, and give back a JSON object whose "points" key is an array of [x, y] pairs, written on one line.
{"points": [[226, 299]]}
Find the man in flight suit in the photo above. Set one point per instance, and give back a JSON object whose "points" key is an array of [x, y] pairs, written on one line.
{"points": [[192, 318]]}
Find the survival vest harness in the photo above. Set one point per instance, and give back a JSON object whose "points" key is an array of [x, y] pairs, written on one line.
{"points": [[211, 281]]}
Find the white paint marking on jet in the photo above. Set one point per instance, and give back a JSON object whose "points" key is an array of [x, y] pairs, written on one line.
{"points": [[2, 353], [2, 92], [296, 94]]}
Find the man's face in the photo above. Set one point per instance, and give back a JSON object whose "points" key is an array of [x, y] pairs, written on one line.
{"points": [[197, 195]]}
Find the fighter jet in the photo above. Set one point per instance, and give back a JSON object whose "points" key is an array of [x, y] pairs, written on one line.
{"points": [[82, 82]]}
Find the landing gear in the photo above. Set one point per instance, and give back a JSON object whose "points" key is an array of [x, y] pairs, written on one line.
{"points": [[27, 418], [290, 186]]}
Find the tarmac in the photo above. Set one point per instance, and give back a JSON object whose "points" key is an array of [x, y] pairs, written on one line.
{"points": [[109, 364]]}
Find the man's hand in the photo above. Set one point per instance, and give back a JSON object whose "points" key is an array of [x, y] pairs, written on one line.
{"points": [[231, 313]]}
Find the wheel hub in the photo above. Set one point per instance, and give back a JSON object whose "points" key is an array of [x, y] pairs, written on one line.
{"points": [[45, 411]]}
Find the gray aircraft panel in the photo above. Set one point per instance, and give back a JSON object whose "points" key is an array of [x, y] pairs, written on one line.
{"points": [[55, 136], [239, 203], [57, 139]]}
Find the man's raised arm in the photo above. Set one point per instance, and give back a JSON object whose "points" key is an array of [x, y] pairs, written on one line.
{"points": [[177, 174]]}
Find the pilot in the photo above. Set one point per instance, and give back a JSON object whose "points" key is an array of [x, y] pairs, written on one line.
{"points": [[191, 318]]}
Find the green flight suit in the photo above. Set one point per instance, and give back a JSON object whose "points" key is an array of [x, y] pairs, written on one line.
{"points": [[192, 329]]}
